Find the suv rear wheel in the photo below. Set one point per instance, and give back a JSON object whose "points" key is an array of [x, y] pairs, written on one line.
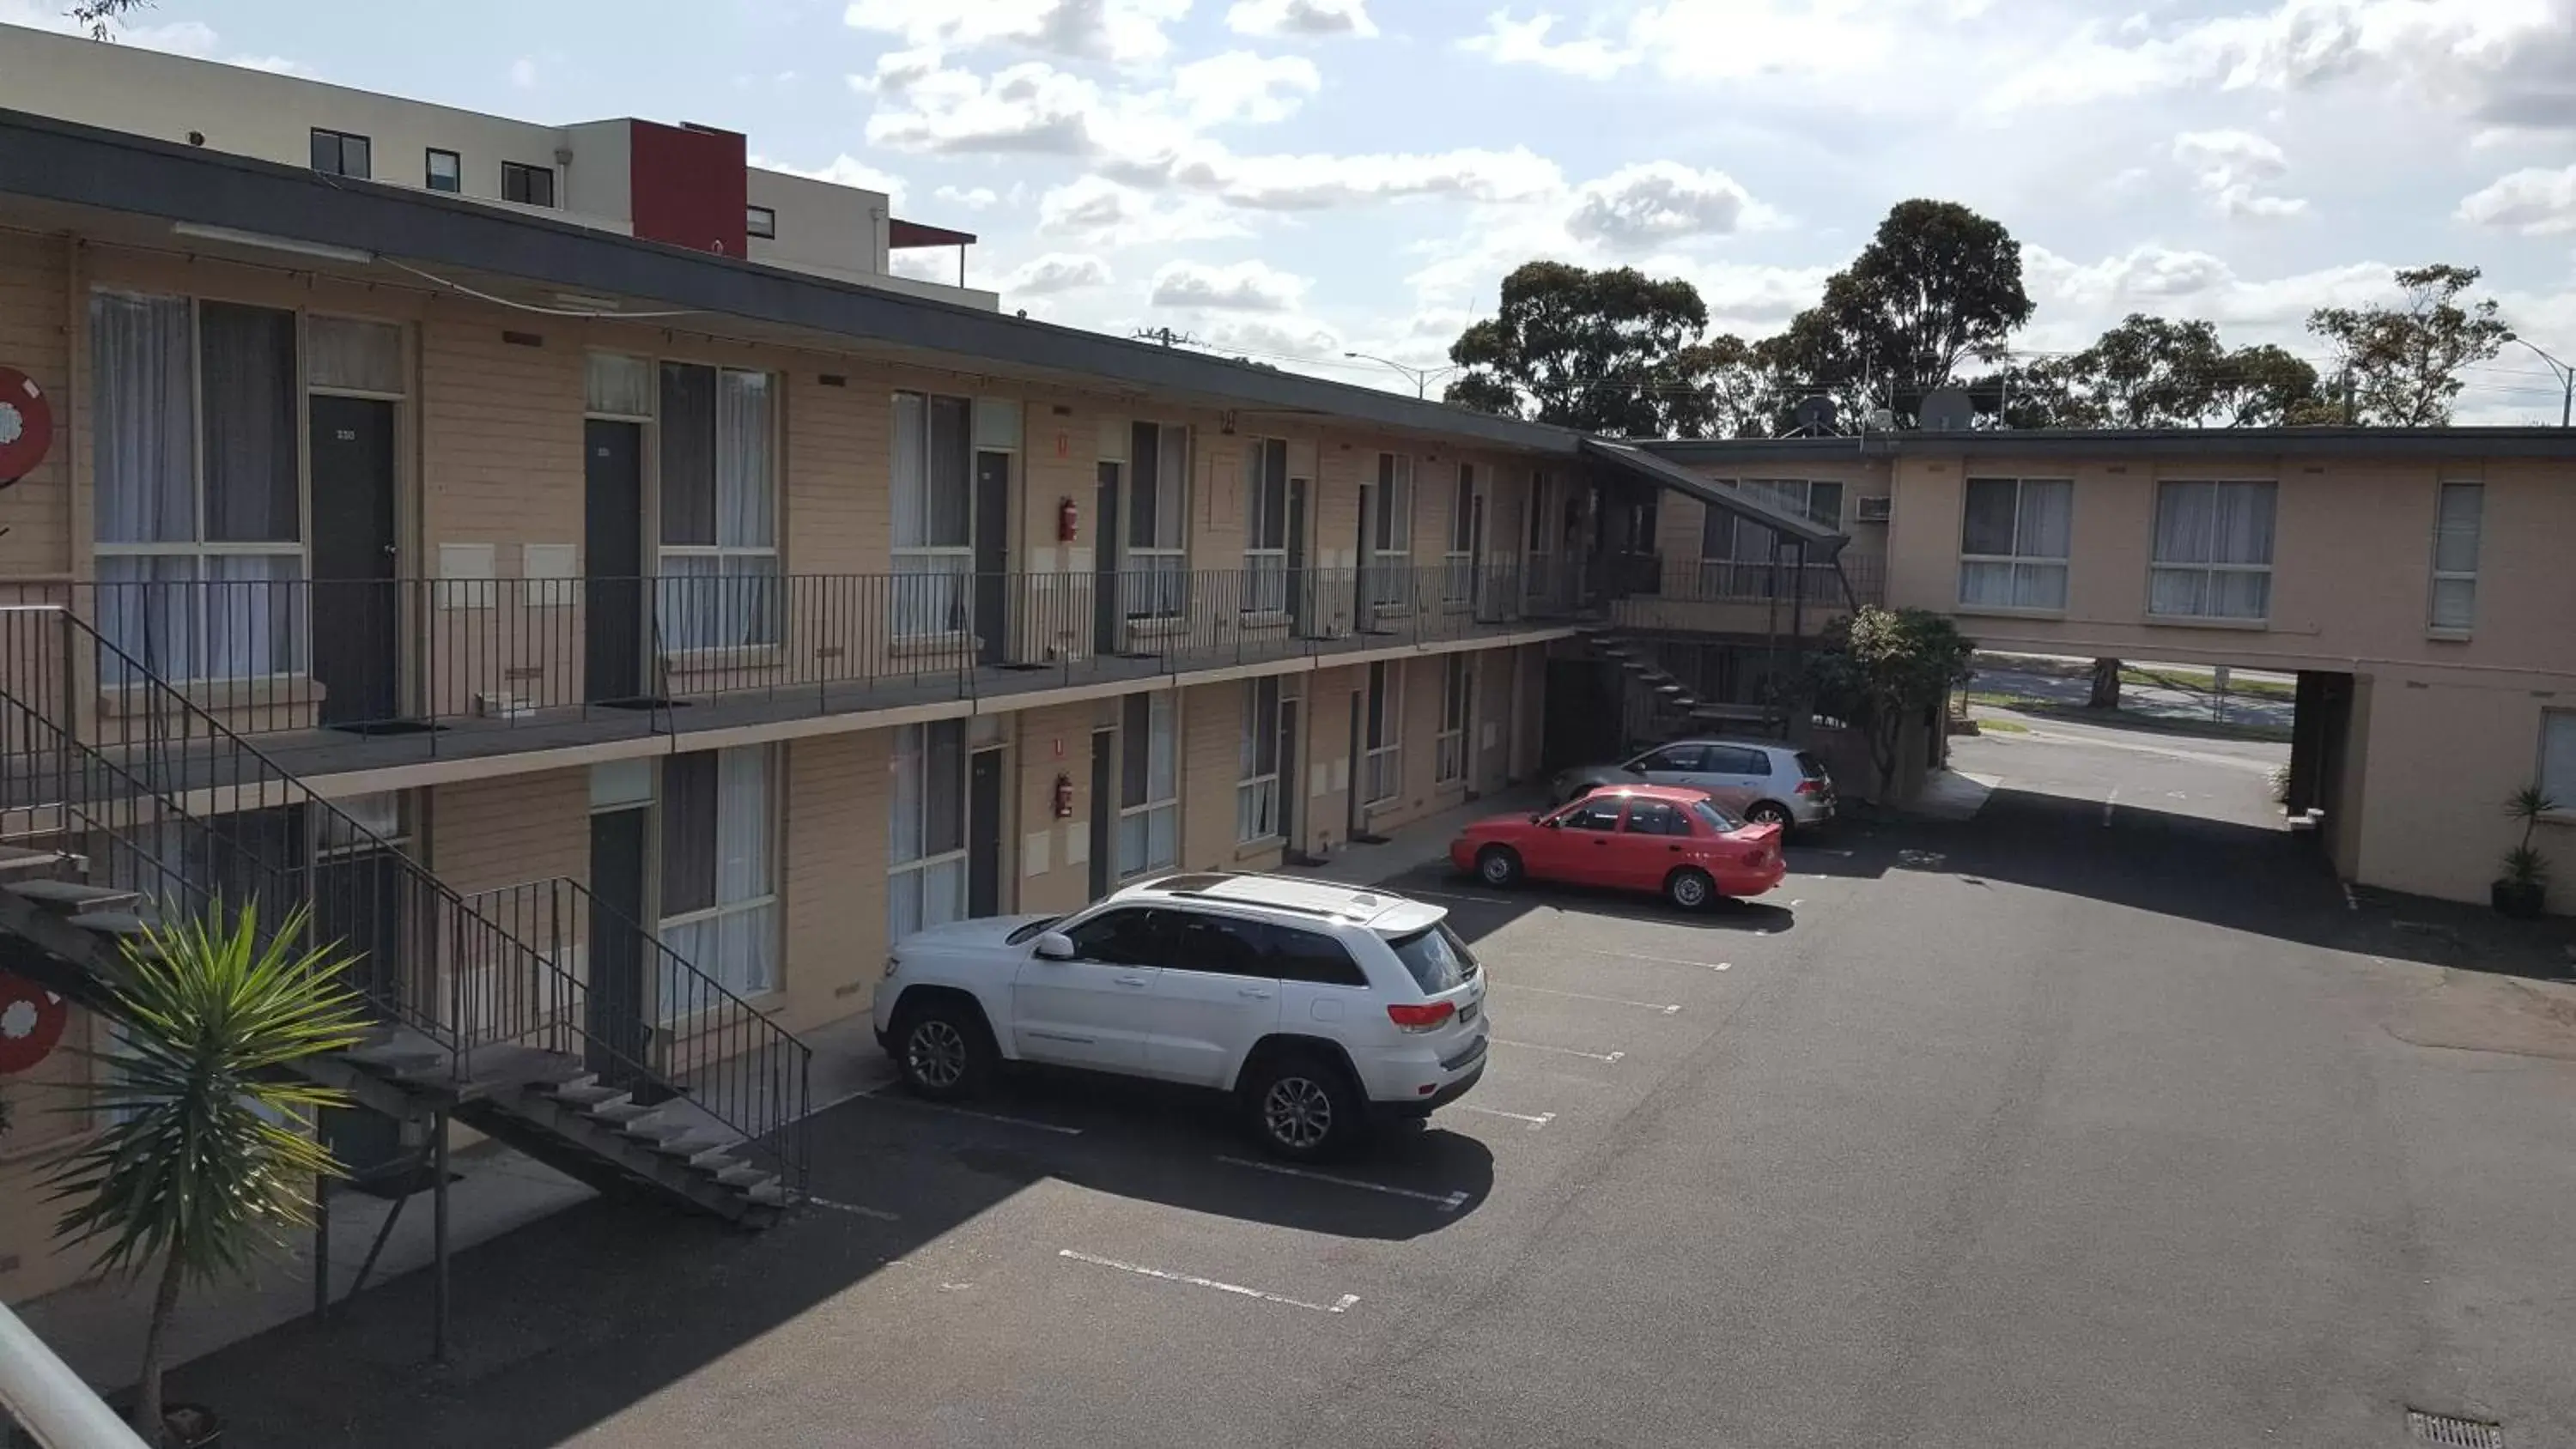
{"points": [[943, 1049], [1303, 1106]]}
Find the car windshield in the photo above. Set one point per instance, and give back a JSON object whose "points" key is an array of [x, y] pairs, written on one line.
{"points": [[1709, 811], [1436, 957], [1032, 930]]}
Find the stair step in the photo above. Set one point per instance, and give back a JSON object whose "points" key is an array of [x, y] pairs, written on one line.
{"points": [[694, 1144], [113, 923], [618, 1111], [17, 858], [73, 896], [657, 1126], [590, 1093], [769, 1194], [714, 1158], [746, 1175]]}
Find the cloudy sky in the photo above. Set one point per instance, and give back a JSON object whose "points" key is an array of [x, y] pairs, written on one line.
{"points": [[1297, 179]]}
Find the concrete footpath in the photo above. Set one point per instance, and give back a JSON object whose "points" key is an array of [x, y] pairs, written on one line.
{"points": [[97, 1326]]}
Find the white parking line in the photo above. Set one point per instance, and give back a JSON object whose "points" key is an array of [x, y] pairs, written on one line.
{"points": [[2107, 803], [1667, 1008], [853, 1209], [1535, 1121], [1658, 960], [1448, 1202], [1339, 1305], [1480, 900], [883, 1095], [1532, 1046]]}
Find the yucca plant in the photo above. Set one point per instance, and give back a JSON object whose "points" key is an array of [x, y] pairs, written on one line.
{"points": [[209, 1154]]}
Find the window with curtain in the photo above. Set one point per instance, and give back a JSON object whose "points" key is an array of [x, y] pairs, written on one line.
{"points": [[1387, 584], [198, 455], [2213, 551], [2455, 555], [1382, 772], [1450, 745], [345, 354], [617, 387], [2013, 539], [1265, 526], [1149, 784], [926, 828], [719, 587], [1458, 575], [1736, 555], [1256, 794], [719, 868], [934, 518], [2558, 757], [1155, 578]]}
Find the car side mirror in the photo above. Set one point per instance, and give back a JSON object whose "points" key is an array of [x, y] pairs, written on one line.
{"points": [[1552, 822], [1055, 946]]}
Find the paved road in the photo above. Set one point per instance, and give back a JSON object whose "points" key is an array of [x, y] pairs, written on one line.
{"points": [[2161, 701], [2066, 1125]]}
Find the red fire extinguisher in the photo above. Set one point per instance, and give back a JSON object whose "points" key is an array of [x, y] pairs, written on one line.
{"points": [[1068, 521], [1064, 796]]}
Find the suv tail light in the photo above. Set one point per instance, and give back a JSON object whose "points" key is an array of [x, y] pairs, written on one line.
{"points": [[1430, 1016]]}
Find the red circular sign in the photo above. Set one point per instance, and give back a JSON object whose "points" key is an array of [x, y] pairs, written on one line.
{"points": [[31, 1023], [26, 425]]}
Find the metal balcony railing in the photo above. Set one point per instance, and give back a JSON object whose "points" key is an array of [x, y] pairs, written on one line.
{"points": [[415, 656]]}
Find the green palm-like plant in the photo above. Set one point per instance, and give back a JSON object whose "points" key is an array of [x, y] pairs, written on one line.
{"points": [[209, 1155]]}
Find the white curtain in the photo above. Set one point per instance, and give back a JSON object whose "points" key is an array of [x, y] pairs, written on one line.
{"points": [[2202, 524], [738, 945], [2558, 757], [908, 793], [143, 418], [619, 386], [911, 471], [746, 505], [344, 352]]}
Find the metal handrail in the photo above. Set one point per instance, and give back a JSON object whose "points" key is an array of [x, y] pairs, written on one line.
{"points": [[47, 1401], [34, 743]]}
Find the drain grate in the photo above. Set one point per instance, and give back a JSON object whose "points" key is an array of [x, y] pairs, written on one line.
{"points": [[2454, 1433]]}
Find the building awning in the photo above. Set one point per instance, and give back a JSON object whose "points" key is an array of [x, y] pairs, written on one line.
{"points": [[1822, 543], [902, 235]]}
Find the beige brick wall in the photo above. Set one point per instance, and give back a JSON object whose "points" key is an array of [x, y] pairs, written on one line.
{"points": [[1054, 876], [38, 308], [833, 873], [1211, 767]]}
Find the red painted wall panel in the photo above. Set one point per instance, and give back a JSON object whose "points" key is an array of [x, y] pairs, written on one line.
{"points": [[688, 187]]}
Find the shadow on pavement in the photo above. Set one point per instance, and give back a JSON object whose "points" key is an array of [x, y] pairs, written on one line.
{"points": [[1477, 910], [574, 1319]]}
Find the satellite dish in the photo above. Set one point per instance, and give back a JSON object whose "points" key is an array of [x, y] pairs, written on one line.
{"points": [[1815, 414], [1947, 410]]}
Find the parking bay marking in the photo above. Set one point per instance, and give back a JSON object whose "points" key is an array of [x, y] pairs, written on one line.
{"points": [[1535, 1120], [885, 1095], [1339, 1305], [1531, 1046], [1447, 1202], [853, 1209], [1658, 960], [1666, 1008]]}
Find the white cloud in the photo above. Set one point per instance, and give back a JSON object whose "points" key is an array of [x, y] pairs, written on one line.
{"points": [[1027, 108], [2078, 299], [1524, 42], [1096, 209], [1737, 39], [2533, 201], [1659, 201], [192, 38], [1249, 286], [973, 198], [2504, 62], [1056, 272], [1242, 86], [1305, 183], [2233, 168], [523, 73], [1301, 17], [841, 170], [1273, 339], [1121, 31]]}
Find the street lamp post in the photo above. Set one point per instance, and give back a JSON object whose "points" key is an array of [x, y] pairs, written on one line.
{"points": [[2566, 375], [1420, 377]]}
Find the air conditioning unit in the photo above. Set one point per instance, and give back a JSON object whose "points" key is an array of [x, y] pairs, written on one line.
{"points": [[1871, 510]]}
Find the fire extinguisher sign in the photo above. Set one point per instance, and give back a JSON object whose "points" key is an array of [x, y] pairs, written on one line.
{"points": [[31, 1023]]}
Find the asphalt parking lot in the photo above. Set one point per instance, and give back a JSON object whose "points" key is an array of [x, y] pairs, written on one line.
{"points": [[2070, 1124]]}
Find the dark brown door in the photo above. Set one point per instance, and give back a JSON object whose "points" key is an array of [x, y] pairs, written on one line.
{"points": [[356, 610], [612, 560]]}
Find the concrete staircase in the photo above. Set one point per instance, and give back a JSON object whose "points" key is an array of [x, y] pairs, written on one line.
{"points": [[543, 1102]]}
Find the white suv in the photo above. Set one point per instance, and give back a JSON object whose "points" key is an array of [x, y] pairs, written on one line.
{"points": [[1317, 1005]]}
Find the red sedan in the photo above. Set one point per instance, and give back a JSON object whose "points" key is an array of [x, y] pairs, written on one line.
{"points": [[1660, 838]]}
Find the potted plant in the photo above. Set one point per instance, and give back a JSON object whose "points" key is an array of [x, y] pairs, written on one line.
{"points": [[2524, 888], [209, 1154]]}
